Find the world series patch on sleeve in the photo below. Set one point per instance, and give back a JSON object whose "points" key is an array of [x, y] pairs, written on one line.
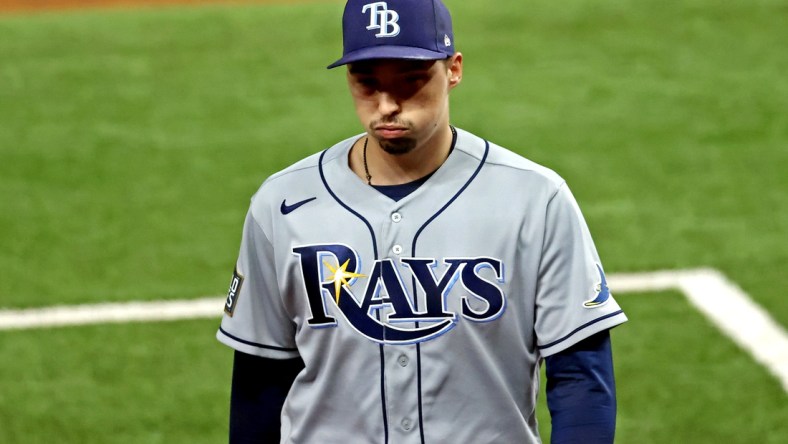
{"points": [[233, 292]]}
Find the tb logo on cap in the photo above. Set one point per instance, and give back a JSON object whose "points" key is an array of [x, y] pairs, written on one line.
{"points": [[382, 18]]}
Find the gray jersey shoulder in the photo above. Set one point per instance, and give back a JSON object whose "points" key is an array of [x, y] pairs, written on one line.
{"points": [[506, 158], [291, 185], [509, 171]]}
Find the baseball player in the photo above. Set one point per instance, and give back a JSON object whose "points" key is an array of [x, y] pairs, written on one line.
{"points": [[405, 284]]}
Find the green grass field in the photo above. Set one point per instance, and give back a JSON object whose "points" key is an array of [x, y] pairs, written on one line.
{"points": [[132, 140]]}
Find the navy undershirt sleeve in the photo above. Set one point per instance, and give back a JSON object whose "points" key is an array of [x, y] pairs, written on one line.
{"points": [[259, 389], [581, 393]]}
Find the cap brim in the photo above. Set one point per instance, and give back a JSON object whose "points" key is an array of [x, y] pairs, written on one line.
{"points": [[389, 52]]}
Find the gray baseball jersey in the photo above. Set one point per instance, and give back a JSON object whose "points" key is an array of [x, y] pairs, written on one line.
{"points": [[422, 320]]}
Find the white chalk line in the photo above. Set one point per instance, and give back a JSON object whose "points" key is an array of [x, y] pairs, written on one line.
{"points": [[110, 312], [720, 300], [726, 305]]}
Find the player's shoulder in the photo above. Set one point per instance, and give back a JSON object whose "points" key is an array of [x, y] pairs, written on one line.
{"points": [[304, 173], [506, 162]]}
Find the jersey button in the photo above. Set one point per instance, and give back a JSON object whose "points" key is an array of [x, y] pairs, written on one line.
{"points": [[397, 249], [406, 424], [396, 217], [403, 360]]}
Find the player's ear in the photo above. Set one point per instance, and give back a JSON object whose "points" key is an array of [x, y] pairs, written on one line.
{"points": [[454, 69]]}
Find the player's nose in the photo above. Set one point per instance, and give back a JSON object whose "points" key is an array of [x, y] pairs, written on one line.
{"points": [[388, 104]]}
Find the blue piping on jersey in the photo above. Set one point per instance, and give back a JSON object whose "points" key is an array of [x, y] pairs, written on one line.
{"points": [[375, 255], [602, 318], [254, 344], [415, 287], [345, 206]]}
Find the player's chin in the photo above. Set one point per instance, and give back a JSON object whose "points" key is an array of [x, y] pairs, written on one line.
{"points": [[397, 146]]}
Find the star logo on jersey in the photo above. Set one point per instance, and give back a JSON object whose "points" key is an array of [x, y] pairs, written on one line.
{"points": [[287, 209], [340, 277], [602, 291]]}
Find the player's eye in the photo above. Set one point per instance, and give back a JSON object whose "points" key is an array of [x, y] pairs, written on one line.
{"points": [[367, 84], [410, 85], [416, 79]]}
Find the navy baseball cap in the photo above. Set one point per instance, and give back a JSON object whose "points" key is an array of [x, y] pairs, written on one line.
{"points": [[395, 29]]}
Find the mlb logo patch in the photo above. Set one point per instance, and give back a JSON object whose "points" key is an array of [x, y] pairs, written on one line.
{"points": [[233, 292]]}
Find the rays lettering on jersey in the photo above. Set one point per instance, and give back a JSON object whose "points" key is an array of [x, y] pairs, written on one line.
{"points": [[330, 270]]}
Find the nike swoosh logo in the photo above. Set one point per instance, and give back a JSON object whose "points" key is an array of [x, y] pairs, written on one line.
{"points": [[287, 209]]}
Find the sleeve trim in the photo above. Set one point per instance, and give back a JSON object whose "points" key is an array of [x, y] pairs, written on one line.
{"points": [[254, 344], [587, 324]]}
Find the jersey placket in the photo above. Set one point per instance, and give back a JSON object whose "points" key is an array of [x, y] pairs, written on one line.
{"points": [[400, 373]]}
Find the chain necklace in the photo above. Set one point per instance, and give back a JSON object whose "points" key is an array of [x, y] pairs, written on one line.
{"points": [[366, 167]]}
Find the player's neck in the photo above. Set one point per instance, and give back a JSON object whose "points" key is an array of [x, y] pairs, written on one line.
{"points": [[383, 168]]}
